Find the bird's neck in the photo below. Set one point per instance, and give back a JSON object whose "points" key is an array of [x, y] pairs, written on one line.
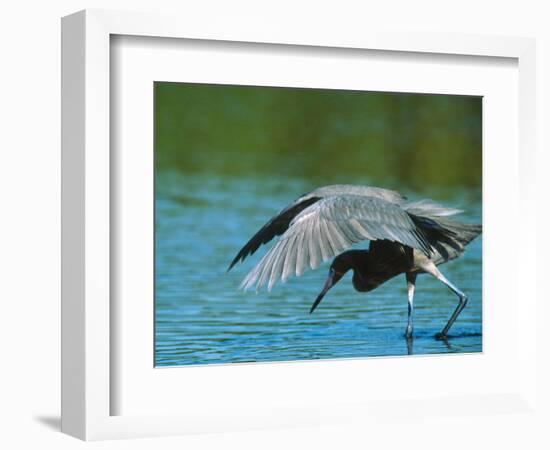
{"points": [[366, 273], [359, 262], [360, 281]]}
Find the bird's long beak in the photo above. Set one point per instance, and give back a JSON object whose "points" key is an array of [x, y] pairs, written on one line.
{"points": [[333, 278]]}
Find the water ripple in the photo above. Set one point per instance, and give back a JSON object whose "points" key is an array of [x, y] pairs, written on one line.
{"points": [[202, 317]]}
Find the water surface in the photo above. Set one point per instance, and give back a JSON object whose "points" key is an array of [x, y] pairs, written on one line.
{"points": [[202, 318]]}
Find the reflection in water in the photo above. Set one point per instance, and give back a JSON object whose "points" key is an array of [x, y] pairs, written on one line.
{"points": [[445, 340], [202, 317], [410, 342]]}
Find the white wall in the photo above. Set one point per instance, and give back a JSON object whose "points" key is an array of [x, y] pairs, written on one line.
{"points": [[29, 246]]}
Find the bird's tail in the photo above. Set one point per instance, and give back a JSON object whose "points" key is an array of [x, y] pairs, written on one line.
{"points": [[447, 237], [461, 232], [429, 208], [432, 218]]}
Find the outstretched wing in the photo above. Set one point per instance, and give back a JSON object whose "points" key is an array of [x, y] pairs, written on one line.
{"points": [[327, 228], [275, 227], [279, 224]]}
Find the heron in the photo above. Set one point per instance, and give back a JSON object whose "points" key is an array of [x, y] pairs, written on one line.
{"points": [[404, 238]]}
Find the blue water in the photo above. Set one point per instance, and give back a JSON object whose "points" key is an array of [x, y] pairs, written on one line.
{"points": [[202, 317]]}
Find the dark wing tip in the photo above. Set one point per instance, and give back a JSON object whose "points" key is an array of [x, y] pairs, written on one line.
{"points": [[274, 227], [249, 249], [424, 243], [243, 252], [419, 234], [232, 263]]}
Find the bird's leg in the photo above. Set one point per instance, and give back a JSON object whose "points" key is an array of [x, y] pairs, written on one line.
{"points": [[462, 300], [430, 268], [411, 279]]}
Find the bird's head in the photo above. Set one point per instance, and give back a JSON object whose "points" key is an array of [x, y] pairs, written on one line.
{"points": [[341, 264]]}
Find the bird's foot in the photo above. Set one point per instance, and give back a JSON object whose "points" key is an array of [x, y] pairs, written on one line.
{"points": [[441, 337]]}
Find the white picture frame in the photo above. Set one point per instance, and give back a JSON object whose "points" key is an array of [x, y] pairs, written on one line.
{"points": [[88, 387]]}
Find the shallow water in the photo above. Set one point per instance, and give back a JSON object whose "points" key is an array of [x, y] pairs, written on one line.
{"points": [[202, 317]]}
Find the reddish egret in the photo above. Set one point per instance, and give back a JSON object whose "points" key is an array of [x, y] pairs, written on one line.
{"points": [[409, 238]]}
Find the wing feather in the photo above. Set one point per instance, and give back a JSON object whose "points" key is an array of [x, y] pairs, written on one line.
{"points": [[289, 265], [339, 241], [314, 247], [323, 238], [274, 272], [278, 224], [302, 256], [326, 228]]}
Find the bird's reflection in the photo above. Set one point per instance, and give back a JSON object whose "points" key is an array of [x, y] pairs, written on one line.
{"points": [[410, 341], [410, 344], [445, 341]]}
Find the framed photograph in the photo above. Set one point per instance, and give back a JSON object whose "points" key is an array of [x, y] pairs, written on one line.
{"points": [[326, 143], [263, 228]]}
